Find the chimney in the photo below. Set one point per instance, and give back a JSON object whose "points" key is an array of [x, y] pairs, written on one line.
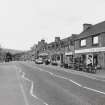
{"points": [[43, 41], [86, 26], [57, 39], [74, 35], [38, 42]]}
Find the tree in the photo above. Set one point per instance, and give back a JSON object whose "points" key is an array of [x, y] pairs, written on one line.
{"points": [[8, 57], [1, 54], [33, 47]]}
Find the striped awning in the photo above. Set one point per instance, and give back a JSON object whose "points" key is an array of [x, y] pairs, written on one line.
{"points": [[43, 54], [69, 53]]}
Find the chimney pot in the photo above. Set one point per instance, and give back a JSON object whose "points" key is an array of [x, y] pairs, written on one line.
{"points": [[57, 39], [86, 26]]}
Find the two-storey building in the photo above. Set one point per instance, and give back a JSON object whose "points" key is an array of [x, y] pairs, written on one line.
{"points": [[55, 53], [90, 44], [69, 50], [61, 49]]}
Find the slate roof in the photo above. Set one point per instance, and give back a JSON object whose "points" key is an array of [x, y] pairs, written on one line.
{"points": [[72, 37], [93, 30]]}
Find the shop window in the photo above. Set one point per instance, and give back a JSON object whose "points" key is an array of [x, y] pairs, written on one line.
{"points": [[71, 58], [53, 58], [83, 42], [58, 58], [83, 59], [95, 59], [61, 58], [95, 40]]}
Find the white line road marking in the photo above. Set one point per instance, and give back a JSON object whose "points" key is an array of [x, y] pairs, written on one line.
{"points": [[32, 87], [66, 79], [94, 90], [31, 90], [79, 74], [32, 94], [61, 77], [22, 89], [23, 76], [76, 83]]}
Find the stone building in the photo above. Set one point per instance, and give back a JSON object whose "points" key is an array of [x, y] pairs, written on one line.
{"points": [[54, 49], [41, 49], [69, 50], [90, 44], [58, 50]]}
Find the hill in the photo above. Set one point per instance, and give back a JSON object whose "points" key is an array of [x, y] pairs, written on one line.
{"points": [[12, 51]]}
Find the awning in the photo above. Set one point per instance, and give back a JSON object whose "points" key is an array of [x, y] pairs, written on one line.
{"points": [[43, 54], [69, 53]]}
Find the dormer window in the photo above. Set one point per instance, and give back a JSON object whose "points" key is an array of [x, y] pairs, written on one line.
{"points": [[83, 42]]}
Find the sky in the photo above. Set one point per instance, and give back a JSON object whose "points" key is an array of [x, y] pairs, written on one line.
{"points": [[25, 22]]}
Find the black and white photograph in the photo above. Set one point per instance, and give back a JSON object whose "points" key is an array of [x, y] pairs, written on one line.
{"points": [[52, 52]]}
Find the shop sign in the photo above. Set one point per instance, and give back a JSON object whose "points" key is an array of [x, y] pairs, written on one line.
{"points": [[98, 49], [89, 59]]}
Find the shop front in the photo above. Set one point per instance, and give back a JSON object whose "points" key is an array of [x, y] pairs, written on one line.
{"points": [[58, 58], [69, 59], [89, 59], [93, 57]]}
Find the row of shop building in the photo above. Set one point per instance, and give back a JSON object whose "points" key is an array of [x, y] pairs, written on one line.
{"points": [[88, 47]]}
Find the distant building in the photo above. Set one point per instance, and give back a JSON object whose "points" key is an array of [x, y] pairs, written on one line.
{"points": [[40, 50], [59, 50]]}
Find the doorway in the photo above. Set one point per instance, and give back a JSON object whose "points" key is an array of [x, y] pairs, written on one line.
{"points": [[95, 59]]}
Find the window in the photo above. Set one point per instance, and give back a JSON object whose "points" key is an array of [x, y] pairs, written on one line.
{"points": [[95, 40], [83, 42], [53, 46], [58, 58]]}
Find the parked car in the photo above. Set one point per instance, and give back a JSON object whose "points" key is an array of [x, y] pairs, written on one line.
{"points": [[38, 61]]}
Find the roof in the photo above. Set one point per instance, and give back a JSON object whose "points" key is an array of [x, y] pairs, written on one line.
{"points": [[72, 37], [93, 30], [65, 39]]}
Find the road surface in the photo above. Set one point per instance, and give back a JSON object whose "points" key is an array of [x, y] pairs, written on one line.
{"points": [[25, 83]]}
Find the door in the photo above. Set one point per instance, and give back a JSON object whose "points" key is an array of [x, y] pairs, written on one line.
{"points": [[95, 59]]}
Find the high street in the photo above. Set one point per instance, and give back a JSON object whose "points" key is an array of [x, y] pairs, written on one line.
{"points": [[25, 83]]}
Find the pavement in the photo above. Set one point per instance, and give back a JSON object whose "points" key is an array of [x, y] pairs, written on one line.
{"points": [[100, 74]]}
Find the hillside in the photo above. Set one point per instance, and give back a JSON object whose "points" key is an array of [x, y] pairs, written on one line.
{"points": [[11, 51]]}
